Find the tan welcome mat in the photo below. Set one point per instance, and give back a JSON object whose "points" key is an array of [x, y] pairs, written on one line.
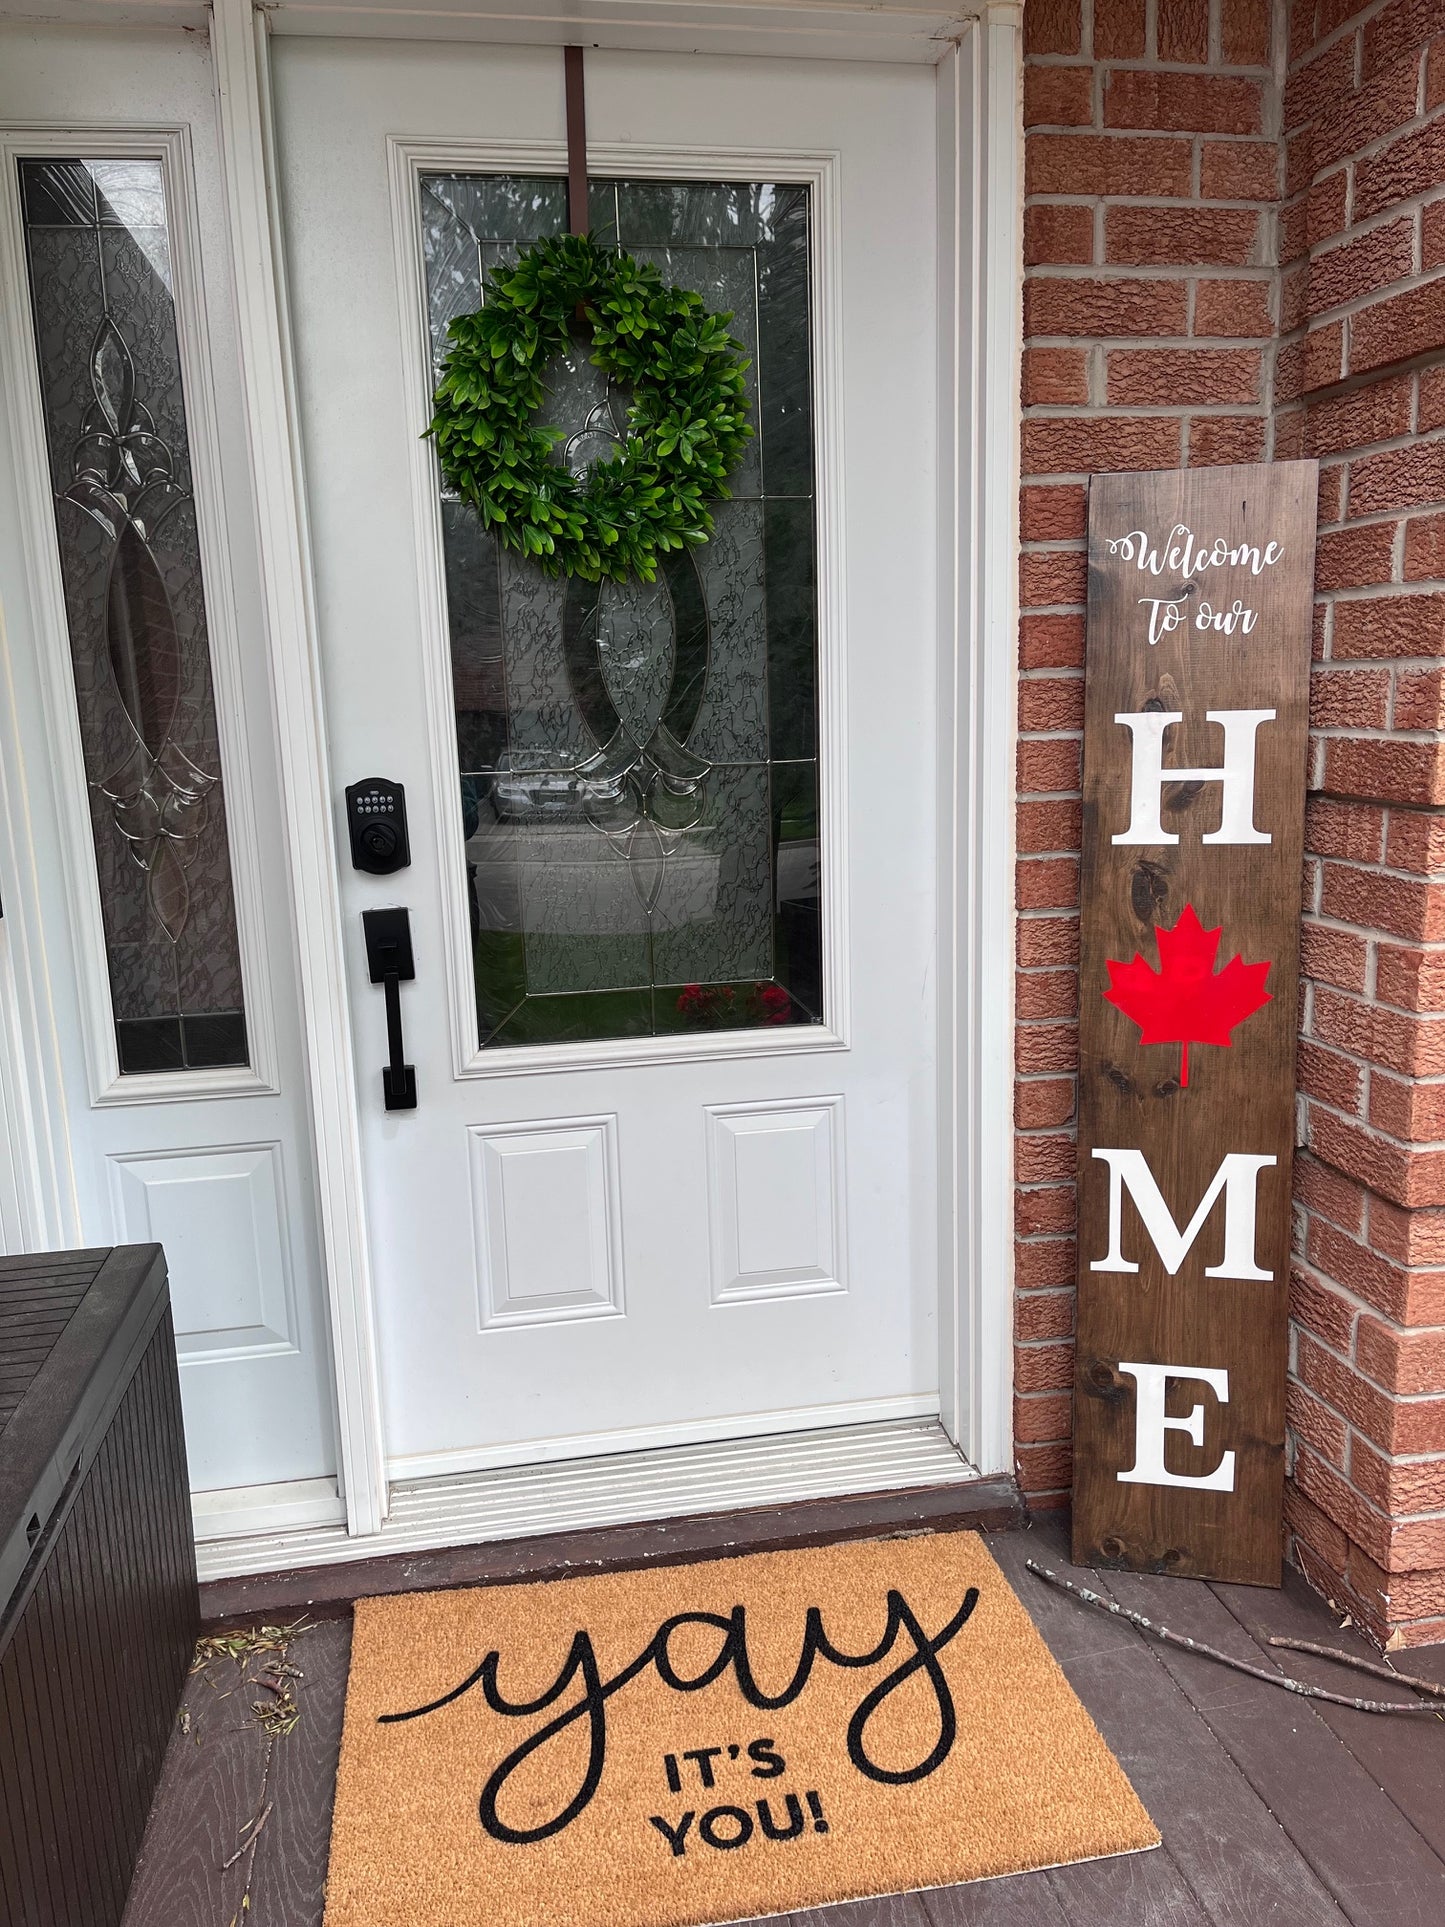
{"points": [[711, 1742]]}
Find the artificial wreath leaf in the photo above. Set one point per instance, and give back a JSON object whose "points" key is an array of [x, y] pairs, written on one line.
{"points": [[688, 412]]}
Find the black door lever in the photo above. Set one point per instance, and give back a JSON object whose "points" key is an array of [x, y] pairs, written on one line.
{"points": [[389, 959]]}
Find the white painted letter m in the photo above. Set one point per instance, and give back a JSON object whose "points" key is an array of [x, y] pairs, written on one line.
{"points": [[1237, 1177]]}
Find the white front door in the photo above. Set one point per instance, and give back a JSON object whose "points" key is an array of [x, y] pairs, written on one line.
{"points": [[670, 1175], [154, 1069]]}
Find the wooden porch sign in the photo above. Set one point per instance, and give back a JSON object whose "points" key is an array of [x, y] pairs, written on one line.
{"points": [[1195, 726]]}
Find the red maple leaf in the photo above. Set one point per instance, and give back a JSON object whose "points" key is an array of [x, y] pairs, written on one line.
{"points": [[1186, 1000]]}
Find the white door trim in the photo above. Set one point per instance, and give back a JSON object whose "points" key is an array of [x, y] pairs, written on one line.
{"points": [[408, 159], [63, 747], [980, 83], [981, 209], [243, 97]]}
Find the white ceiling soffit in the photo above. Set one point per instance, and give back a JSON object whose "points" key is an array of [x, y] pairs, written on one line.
{"points": [[883, 30]]}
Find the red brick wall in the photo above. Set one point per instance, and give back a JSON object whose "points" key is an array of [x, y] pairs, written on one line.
{"points": [[1229, 244], [1360, 383]]}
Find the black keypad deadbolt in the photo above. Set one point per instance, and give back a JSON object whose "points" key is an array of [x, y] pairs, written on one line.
{"points": [[376, 818]]}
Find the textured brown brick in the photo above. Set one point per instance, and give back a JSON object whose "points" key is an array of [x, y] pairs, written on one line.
{"points": [[1047, 940], [1045, 1210], [1354, 558], [1043, 1315], [1350, 698], [1322, 1189], [1044, 1473], [1053, 26], [1401, 1361], [1414, 1237], [1044, 1157], [1057, 514], [1048, 883], [1401, 478], [1209, 237], [1048, 1262], [1419, 699], [1376, 413], [1051, 642], [1354, 832], [1390, 625], [1330, 496], [1362, 266], [1432, 399], [1414, 1112], [1333, 956], [1408, 1177], [1238, 170], [1048, 765], [1044, 1418], [1319, 84], [1220, 439], [1314, 1422], [1043, 1103], [1400, 906], [1043, 827], [1393, 772], [1330, 1077], [1058, 235], [1118, 29], [1194, 103], [1432, 233], [1183, 377], [1182, 30], [1106, 164], [1055, 376], [1324, 355], [1079, 445], [1056, 306], [1397, 31], [1415, 843], [1411, 165], [1244, 33], [1051, 702], [1425, 548], [1411, 977], [1325, 207], [1239, 309], [1356, 119], [1058, 96], [1399, 327]]}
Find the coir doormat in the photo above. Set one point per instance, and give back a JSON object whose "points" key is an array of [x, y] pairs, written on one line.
{"points": [[711, 1742]]}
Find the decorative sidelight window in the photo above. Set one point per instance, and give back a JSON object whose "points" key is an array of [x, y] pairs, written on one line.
{"points": [[639, 789], [99, 255]]}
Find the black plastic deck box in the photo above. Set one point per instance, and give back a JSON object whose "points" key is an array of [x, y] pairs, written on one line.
{"points": [[98, 1603]]}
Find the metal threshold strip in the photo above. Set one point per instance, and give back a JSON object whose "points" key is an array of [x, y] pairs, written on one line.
{"points": [[627, 1488]]}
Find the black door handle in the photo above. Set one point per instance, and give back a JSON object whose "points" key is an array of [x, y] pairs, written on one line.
{"points": [[389, 960]]}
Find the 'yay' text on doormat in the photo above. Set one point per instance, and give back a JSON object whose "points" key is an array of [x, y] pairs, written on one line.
{"points": [[711, 1742]]}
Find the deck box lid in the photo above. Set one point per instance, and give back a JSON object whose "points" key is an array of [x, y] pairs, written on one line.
{"points": [[72, 1326]]}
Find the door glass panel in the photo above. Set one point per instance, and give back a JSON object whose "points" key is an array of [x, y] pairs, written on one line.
{"points": [[98, 250], [639, 788]]}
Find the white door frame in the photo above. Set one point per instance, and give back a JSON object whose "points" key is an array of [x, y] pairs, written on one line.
{"points": [[977, 51]]}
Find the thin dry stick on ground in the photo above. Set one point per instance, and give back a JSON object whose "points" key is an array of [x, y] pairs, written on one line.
{"points": [[1431, 1687], [1157, 1631]]}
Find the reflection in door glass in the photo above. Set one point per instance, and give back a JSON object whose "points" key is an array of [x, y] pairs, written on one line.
{"points": [[98, 250], [638, 763]]}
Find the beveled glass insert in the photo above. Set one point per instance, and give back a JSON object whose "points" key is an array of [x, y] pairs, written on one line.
{"points": [[639, 786], [98, 249]]}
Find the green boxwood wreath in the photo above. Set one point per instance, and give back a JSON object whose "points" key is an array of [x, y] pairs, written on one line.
{"points": [[687, 423]]}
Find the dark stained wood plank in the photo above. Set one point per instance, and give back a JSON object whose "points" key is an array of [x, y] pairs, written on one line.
{"points": [[288, 1881], [890, 1910], [981, 1505], [1235, 1862], [1142, 1889], [1363, 1849], [1022, 1900], [1133, 1097], [1405, 1757], [211, 1786]]}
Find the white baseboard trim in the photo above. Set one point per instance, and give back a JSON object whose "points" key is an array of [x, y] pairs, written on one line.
{"points": [[623, 1488]]}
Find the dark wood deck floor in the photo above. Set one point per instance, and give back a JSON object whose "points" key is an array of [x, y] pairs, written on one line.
{"points": [[1275, 1811]]}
